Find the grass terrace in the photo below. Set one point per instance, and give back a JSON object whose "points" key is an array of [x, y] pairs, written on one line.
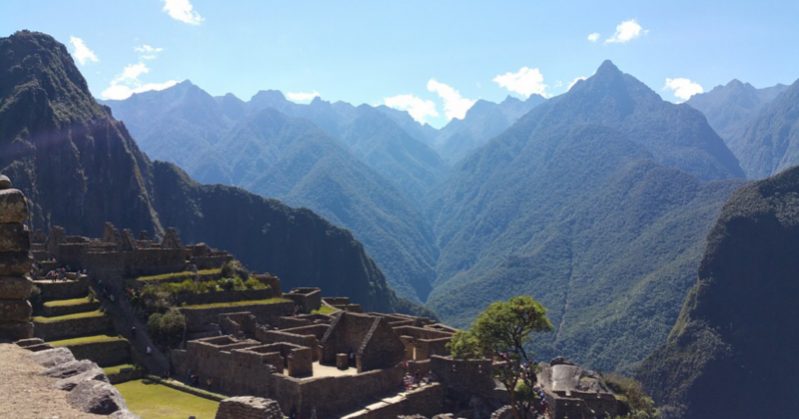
{"points": [[179, 276], [152, 400], [71, 302], [325, 309], [116, 369], [243, 303], [84, 340], [74, 316]]}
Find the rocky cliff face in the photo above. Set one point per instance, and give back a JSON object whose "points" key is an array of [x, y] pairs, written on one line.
{"points": [[732, 352], [80, 168]]}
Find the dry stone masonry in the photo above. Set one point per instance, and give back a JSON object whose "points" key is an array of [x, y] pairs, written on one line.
{"points": [[15, 264]]}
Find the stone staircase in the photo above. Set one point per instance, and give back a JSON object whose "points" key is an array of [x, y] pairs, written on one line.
{"points": [[68, 315]]}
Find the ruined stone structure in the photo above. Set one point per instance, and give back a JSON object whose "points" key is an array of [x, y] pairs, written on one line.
{"points": [[368, 340], [573, 392], [319, 364], [15, 264], [119, 255], [247, 407]]}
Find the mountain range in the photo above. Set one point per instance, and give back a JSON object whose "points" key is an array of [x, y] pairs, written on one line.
{"points": [[761, 126], [80, 168], [596, 202]]}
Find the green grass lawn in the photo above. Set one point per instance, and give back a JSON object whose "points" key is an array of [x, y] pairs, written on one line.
{"points": [[325, 309], [150, 400], [86, 339], [176, 275], [70, 302], [274, 300], [115, 369], [81, 315]]}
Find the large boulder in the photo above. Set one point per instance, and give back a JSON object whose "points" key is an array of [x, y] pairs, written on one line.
{"points": [[15, 311], [248, 407], [52, 357], [15, 263], [98, 397], [13, 206], [15, 287]]}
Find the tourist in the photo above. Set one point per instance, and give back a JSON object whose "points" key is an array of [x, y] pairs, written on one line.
{"points": [[133, 331], [148, 350]]}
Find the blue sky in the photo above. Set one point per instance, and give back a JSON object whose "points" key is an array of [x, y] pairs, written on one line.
{"points": [[432, 57]]}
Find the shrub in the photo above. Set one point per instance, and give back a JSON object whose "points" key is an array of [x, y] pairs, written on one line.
{"points": [[632, 394], [168, 328]]}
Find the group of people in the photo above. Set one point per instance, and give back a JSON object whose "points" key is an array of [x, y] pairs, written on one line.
{"points": [[410, 381], [62, 273]]}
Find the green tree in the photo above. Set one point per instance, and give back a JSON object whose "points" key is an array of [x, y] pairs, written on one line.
{"points": [[168, 328], [501, 333]]}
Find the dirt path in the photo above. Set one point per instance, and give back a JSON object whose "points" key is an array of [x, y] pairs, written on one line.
{"points": [[28, 394]]}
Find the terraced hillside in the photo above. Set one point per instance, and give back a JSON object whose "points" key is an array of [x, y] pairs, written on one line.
{"points": [[69, 314]]}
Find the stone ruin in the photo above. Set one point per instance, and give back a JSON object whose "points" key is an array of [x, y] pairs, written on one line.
{"points": [[248, 407], [118, 254], [15, 264]]}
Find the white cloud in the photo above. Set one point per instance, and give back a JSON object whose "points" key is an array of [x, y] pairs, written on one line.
{"points": [[683, 88], [128, 83], [418, 108], [526, 81], [183, 11], [121, 91], [593, 36], [573, 82], [455, 105], [626, 31], [81, 52], [131, 73], [147, 52], [302, 97]]}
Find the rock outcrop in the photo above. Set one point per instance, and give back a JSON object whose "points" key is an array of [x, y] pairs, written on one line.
{"points": [[87, 386], [15, 263]]}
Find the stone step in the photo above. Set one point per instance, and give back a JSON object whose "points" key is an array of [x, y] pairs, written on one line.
{"points": [[105, 350], [72, 325], [70, 306]]}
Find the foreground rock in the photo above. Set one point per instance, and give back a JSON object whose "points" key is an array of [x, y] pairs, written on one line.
{"points": [[15, 264]]}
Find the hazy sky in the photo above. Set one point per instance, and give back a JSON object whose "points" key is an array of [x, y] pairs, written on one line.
{"points": [[431, 57]]}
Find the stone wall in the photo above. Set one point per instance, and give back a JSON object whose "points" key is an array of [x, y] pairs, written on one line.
{"points": [[104, 354], [464, 377], [248, 407], [73, 327], [63, 289], [16, 261], [198, 319], [425, 401], [352, 332], [308, 299]]}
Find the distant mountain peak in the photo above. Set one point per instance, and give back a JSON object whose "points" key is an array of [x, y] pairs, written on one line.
{"points": [[607, 67], [269, 95]]}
